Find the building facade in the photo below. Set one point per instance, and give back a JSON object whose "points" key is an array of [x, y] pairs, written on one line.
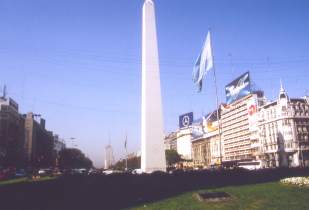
{"points": [[184, 143], [39, 142], [254, 133], [240, 131], [170, 141], [58, 146], [12, 152], [201, 151], [216, 153], [206, 147], [284, 132]]}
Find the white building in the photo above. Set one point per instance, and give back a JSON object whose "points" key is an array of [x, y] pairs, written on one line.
{"points": [[215, 151], [254, 134], [170, 141], [183, 144], [284, 127], [240, 131]]}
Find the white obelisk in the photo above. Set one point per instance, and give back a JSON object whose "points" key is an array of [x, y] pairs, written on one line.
{"points": [[153, 154]]}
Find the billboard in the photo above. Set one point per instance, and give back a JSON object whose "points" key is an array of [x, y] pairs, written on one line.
{"points": [[211, 122], [185, 120], [252, 113], [237, 89]]}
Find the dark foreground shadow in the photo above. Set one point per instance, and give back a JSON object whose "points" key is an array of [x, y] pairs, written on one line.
{"points": [[120, 191]]}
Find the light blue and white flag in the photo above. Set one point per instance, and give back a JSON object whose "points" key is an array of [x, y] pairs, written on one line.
{"points": [[203, 63]]}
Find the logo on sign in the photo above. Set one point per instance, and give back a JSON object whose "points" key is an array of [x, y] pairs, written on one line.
{"points": [[252, 110], [185, 120]]}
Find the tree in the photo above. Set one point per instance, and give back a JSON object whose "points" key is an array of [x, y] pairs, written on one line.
{"points": [[73, 158], [133, 163], [172, 157]]}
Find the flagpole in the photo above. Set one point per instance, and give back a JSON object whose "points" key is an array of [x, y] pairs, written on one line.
{"points": [[217, 101], [126, 161], [126, 152]]}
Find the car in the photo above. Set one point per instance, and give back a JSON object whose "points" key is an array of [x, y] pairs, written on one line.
{"points": [[80, 171], [108, 172], [111, 171], [94, 172], [45, 172], [41, 172], [20, 173], [137, 171]]}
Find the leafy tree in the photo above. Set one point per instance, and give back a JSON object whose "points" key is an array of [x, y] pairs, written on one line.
{"points": [[73, 158], [133, 163], [172, 157]]}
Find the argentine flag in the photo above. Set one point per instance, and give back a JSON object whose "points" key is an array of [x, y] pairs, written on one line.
{"points": [[203, 63]]}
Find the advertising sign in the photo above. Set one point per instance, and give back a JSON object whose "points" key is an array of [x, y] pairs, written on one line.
{"points": [[252, 113], [237, 89], [185, 120]]}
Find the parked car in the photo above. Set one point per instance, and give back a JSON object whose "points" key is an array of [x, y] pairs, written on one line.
{"points": [[94, 172], [79, 171], [110, 171], [45, 172], [137, 171], [20, 173], [42, 172]]}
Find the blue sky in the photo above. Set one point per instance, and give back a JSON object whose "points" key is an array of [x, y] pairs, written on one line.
{"points": [[78, 63]]}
